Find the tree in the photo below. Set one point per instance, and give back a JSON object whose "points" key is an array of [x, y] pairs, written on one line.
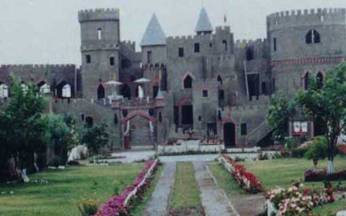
{"points": [[95, 137], [21, 126], [279, 113], [328, 103], [318, 150]]}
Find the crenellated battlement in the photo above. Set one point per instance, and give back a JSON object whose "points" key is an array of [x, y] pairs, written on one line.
{"points": [[99, 14], [244, 43], [129, 44], [40, 67], [307, 16], [223, 28]]}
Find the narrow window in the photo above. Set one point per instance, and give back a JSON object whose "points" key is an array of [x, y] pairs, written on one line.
{"points": [[274, 44], [188, 82], [100, 92], [88, 59], [89, 122], [219, 80], [319, 80], [181, 52], [3, 91], [199, 118], [99, 33], [306, 80], [273, 85], [111, 61], [197, 48], [149, 56], [160, 117], [205, 93], [243, 129], [225, 45], [312, 37], [115, 120]]}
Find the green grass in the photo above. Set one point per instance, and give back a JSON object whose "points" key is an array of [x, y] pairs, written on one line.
{"points": [[65, 189], [225, 181], [282, 172], [330, 209], [185, 191], [139, 207]]}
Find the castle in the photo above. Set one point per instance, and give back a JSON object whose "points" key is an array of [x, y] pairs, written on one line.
{"points": [[206, 86]]}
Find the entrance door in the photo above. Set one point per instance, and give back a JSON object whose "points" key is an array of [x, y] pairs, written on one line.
{"points": [[229, 135]]}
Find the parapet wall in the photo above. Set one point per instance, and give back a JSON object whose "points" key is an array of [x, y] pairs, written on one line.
{"points": [[244, 43], [40, 66], [306, 17], [99, 15]]}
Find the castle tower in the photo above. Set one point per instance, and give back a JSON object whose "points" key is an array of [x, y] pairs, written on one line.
{"points": [[154, 43], [203, 25], [100, 37]]}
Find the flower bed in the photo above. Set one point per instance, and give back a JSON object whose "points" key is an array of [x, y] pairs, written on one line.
{"points": [[296, 200], [312, 175], [247, 180], [118, 205]]}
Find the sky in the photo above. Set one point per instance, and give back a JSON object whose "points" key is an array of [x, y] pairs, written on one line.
{"points": [[48, 32]]}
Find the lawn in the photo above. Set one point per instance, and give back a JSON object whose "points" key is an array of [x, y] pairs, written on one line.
{"points": [[282, 172], [65, 189], [330, 209], [185, 198]]}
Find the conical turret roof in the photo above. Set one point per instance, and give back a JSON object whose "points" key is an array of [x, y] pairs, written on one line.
{"points": [[203, 24], [154, 34]]}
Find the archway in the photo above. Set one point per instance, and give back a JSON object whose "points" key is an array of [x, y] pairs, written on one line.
{"points": [[188, 82], [229, 135], [100, 92]]}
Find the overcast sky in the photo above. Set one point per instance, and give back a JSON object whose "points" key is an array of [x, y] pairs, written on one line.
{"points": [[47, 31]]}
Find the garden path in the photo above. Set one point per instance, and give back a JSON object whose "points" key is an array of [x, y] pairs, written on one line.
{"points": [[214, 200], [158, 203]]}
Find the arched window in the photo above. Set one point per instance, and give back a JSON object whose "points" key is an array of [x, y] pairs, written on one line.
{"points": [[312, 37], [219, 79], [89, 121], [249, 54], [306, 80], [99, 33], [319, 80], [66, 91], [225, 45], [188, 82], [100, 92], [44, 87], [3, 91]]}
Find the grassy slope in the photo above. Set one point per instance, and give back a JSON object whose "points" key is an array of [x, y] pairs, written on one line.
{"points": [[65, 189], [140, 206], [330, 209], [282, 172], [185, 191]]}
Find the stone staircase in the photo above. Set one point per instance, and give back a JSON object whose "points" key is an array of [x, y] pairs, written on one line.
{"points": [[258, 133]]}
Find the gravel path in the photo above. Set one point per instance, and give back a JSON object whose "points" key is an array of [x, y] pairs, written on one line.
{"points": [[214, 200], [158, 204]]}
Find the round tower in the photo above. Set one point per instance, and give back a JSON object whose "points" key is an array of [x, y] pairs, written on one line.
{"points": [[304, 41], [100, 37]]}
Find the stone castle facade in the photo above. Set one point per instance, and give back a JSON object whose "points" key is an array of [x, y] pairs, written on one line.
{"points": [[205, 86]]}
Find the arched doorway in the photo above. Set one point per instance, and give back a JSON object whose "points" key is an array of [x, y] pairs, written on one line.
{"points": [[126, 91], [229, 135], [100, 92]]}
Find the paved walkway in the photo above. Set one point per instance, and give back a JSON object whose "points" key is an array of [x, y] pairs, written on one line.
{"points": [[214, 200], [158, 204]]}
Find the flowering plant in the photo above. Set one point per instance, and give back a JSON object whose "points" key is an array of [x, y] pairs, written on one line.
{"points": [[118, 205], [245, 179], [297, 200]]}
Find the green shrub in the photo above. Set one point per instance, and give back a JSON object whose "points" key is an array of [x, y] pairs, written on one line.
{"points": [[299, 152], [88, 207], [318, 150]]}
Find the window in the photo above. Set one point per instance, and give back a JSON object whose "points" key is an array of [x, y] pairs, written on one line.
{"points": [[100, 92], [312, 37], [89, 122], [225, 45], [111, 61], [66, 91], [219, 80], [197, 48], [82, 116], [249, 54], [188, 82], [99, 33], [199, 118], [243, 129], [115, 119], [88, 59], [319, 80], [45, 89], [3, 91], [306, 81], [205, 93], [149, 56], [264, 88], [274, 44], [181, 52], [160, 117], [273, 85]]}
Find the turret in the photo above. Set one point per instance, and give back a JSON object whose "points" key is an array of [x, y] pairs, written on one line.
{"points": [[203, 24]]}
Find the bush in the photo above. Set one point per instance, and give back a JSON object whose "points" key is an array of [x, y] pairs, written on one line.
{"points": [[318, 150], [88, 207], [55, 161], [299, 152]]}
